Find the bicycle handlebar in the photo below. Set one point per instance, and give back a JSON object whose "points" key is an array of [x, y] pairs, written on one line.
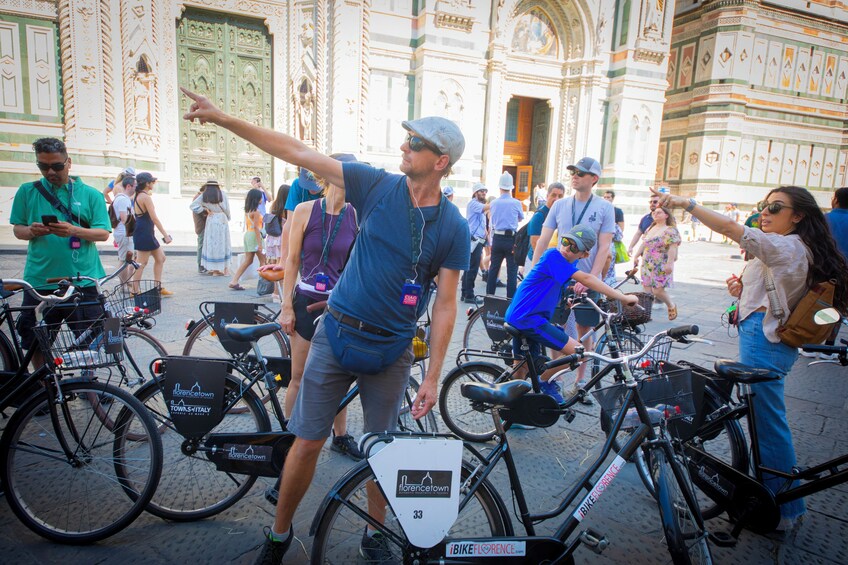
{"points": [[69, 292], [678, 334]]}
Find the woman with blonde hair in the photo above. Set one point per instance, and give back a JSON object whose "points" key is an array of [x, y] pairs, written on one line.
{"points": [[658, 252]]}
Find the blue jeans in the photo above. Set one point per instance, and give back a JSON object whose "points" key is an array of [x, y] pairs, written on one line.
{"points": [[502, 249], [775, 438]]}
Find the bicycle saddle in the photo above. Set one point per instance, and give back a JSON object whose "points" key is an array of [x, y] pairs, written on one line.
{"points": [[249, 332], [514, 332], [499, 394], [739, 373]]}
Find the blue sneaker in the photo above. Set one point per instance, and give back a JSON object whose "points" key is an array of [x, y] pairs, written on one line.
{"points": [[552, 389]]}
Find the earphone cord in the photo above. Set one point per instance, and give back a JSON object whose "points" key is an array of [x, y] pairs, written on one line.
{"points": [[420, 240]]}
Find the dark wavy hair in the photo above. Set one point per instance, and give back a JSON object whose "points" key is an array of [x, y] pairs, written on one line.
{"points": [[828, 263], [212, 192], [252, 200], [50, 145], [278, 208]]}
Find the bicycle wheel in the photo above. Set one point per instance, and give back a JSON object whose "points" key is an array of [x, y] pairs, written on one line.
{"points": [[203, 342], [341, 526], [476, 337], [457, 412], [68, 479], [723, 439], [191, 487], [406, 423], [140, 348], [684, 532]]}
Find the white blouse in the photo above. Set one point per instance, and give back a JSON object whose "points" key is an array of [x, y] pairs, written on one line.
{"points": [[789, 260]]}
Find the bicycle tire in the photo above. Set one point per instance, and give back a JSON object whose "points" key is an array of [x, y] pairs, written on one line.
{"points": [[724, 439], [192, 488], [684, 536], [406, 423], [85, 499], [140, 348], [457, 411], [8, 356], [476, 337], [201, 342], [340, 529]]}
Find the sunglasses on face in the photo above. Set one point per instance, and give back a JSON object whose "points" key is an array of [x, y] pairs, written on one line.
{"points": [[419, 144], [565, 242], [575, 172], [55, 166], [773, 208]]}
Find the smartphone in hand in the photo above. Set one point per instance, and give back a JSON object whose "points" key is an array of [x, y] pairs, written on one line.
{"points": [[49, 219]]}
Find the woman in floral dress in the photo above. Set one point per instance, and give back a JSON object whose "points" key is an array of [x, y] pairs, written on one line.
{"points": [[658, 253]]}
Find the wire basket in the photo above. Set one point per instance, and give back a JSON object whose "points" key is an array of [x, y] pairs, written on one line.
{"points": [[81, 344], [135, 298], [668, 396], [633, 315]]}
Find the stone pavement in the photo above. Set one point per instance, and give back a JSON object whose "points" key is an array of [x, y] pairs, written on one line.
{"points": [[549, 459]]}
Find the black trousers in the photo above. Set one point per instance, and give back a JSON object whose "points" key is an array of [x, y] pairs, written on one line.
{"points": [[502, 249]]}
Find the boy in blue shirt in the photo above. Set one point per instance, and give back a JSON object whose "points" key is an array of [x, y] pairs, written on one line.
{"points": [[538, 295]]}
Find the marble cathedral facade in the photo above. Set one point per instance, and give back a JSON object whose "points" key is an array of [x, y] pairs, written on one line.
{"points": [[104, 75], [756, 99]]}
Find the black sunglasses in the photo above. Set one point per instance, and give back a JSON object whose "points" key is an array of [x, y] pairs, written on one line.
{"points": [[773, 208], [580, 174], [418, 144], [55, 166]]}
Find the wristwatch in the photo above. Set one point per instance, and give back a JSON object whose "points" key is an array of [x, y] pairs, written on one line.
{"points": [[692, 204]]}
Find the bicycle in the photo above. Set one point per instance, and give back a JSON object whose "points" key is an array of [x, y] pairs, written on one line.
{"points": [[441, 508], [215, 429], [132, 311], [81, 458], [470, 425], [734, 483], [492, 338]]}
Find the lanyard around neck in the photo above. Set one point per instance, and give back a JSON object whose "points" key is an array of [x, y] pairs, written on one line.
{"points": [[325, 245], [585, 206]]}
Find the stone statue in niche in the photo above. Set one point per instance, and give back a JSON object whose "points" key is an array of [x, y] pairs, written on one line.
{"points": [[142, 95], [653, 17], [305, 110]]}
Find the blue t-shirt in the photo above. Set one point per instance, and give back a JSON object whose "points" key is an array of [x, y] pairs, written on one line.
{"points": [[538, 295], [838, 220], [534, 226], [298, 195], [381, 262], [646, 222]]}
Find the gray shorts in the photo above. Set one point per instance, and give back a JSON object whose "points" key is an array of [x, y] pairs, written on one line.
{"points": [[325, 383]]}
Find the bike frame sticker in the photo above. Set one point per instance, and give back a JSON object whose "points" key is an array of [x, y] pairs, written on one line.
{"points": [[193, 390], [502, 548], [595, 494], [113, 338]]}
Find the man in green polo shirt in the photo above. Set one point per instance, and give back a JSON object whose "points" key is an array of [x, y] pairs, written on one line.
{"points": [[63, 247]]}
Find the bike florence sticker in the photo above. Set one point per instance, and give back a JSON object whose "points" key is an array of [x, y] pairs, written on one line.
{"points": [[420, 478], [595, 494], [504, 548]]}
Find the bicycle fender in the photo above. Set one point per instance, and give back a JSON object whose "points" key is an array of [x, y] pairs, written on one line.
{"points": [[466, 367]]}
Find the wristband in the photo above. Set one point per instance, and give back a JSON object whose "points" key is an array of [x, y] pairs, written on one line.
{"points": [[692, 204]]}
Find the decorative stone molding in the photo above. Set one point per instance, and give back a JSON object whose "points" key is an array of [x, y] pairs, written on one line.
{"points": [[454, 21], [33, 8], [650, 51]]}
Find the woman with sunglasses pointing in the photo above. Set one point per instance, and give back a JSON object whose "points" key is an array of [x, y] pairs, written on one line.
{"points": [[796, 248]]}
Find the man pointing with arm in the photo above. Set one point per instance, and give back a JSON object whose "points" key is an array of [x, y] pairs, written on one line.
{"points": [[409, 233]]}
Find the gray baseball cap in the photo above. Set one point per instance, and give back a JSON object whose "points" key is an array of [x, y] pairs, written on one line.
{"points": [[583, 236], [587, 165], [442, 133]]}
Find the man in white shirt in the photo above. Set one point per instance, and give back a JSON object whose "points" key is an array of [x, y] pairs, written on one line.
{"points": [[122, 205]]}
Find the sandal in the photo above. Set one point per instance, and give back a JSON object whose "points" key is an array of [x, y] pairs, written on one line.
{"points": [[236, 286], [672, 312]]}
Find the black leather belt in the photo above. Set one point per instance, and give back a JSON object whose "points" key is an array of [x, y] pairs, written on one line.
{"points": [[508, 233], [358, 324]]}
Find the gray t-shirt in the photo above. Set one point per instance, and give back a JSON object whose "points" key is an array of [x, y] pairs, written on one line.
{"points": [[567, 212], [121, 203]]}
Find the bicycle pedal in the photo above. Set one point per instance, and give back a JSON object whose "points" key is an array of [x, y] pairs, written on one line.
{"points": [[722, 539], [272, 495], [594, 540], [568, 415]]}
